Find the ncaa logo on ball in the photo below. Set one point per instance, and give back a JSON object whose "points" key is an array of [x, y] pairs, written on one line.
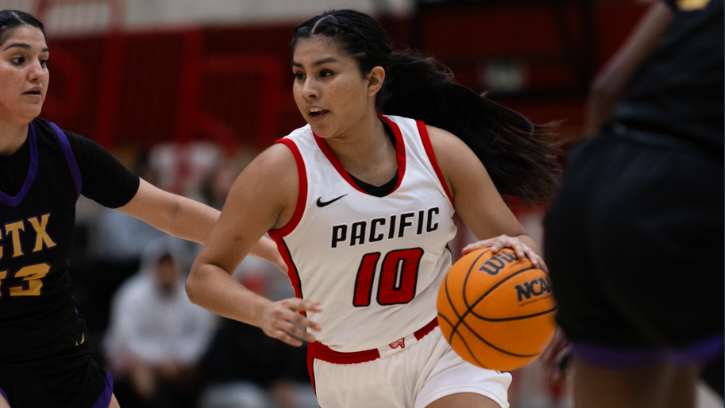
{"points": [[535, 287]]}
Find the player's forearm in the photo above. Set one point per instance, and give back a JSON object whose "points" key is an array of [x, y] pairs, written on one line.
{"points": [[610, 83], [265, 248], [173, 214], [189, 219], [212, 288]]}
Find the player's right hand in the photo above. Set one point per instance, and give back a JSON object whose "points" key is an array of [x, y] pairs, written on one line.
{"points": [[282, 320]]}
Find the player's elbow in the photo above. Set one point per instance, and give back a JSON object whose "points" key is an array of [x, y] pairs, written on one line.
{"points": [[192, 285], [605, 88]]}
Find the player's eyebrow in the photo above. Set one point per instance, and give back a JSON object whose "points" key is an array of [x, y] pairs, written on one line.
{"points": [[22, 45], [320, 62]]}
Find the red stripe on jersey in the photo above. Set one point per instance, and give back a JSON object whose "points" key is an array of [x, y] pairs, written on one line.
{"points": [[301, 192], [425, 138], [426, 329], [322, 352], [278, 234], [399, 149], [311, 368], [399, 156], [292, 273]]}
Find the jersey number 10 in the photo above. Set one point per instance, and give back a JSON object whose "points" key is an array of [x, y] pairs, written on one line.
{"points": [[398, 277]]}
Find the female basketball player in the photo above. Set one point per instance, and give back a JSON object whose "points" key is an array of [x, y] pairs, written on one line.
{"points": [[360, 205], [635, 237], [45, 360]]}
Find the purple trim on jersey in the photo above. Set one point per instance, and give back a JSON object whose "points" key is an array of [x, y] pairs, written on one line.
{"points": [[624, 358], [105, 399], [4, 395], [69, 157], [32, 171]]}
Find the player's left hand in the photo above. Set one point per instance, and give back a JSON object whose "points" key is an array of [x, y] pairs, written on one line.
{"points": [[505, 241]]}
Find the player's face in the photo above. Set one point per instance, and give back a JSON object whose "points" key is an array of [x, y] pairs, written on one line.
{"points": [[330, 92], [23, 75]]}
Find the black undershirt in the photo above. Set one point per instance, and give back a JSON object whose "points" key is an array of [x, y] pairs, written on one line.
{"points": [[387, 188]]}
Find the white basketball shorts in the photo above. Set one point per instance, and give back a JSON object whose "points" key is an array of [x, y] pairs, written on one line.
{"points": [[413, 377]]}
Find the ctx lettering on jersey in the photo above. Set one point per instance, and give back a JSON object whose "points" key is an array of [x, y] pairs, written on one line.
{"points": [[11, 232], [534, 287], [494, 265], [392, 227]]}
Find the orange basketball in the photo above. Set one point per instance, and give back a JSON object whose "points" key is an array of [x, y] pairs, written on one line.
{"points": [[496, 310]]}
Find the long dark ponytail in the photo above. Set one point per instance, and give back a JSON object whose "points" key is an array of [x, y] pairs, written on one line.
{"points": [[11, 19], [520, 157]]}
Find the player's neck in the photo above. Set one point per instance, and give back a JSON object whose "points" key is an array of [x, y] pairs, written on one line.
{"points": [[368, 153], [12, 137]]}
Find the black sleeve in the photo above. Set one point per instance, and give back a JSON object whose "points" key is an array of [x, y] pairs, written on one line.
{"points": [[105, 180]]}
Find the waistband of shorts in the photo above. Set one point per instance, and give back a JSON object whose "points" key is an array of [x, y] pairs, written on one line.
{"points": [[623, 357], [320, 351], [635, 134]]}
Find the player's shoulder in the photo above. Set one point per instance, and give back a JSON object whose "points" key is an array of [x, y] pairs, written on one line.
{"points": [[445, 143], [279, 160], [44, 130]]}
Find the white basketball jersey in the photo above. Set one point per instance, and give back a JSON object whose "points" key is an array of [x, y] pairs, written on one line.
{"points": [[375, 264]]}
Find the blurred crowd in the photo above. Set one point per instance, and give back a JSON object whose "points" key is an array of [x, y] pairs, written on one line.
{"points": [[162, 350]]}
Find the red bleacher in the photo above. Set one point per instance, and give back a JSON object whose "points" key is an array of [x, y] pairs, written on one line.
{"points": [[233, 84]]}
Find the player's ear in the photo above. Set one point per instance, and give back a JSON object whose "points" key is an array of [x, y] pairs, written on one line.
{"points": [[375, 80]]}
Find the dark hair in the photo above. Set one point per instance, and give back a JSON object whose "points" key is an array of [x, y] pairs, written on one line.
{"points": [[520, 157], [12, 19]]}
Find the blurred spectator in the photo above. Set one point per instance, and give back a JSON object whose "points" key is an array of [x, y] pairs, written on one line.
{"points": [[246, 368], [157, 335], [182, 167], [218, 182]]}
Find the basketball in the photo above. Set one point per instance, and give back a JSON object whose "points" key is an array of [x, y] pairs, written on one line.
{"points": [[496, 310]]}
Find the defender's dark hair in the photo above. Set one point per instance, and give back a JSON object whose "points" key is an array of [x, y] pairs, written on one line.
{"points": [[12, 19], [520, 157]]}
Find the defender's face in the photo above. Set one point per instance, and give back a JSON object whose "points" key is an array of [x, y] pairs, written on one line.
{"points": [[24, 75], [331, 93]]}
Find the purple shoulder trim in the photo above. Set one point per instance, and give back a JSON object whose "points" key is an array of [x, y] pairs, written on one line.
{"points": [[2, 394], [105, 399], [69, 157], [622, 358], [32, 171]]}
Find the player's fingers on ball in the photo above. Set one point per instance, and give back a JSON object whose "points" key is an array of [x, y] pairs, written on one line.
{"points": [[541, 264], [520, 250]]}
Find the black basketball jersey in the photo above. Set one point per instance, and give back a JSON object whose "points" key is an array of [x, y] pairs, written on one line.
{"points": [[679, 89], [36, 231]]}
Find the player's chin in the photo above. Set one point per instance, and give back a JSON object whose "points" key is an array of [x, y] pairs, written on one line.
{"points": [[322, 130]]}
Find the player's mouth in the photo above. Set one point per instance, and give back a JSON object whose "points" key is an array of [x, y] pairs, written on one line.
{"points": [[34, 92], [317, 113]]}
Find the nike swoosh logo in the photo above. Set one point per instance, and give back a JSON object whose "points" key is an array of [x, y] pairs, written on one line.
{"points": [[321, 204]]}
